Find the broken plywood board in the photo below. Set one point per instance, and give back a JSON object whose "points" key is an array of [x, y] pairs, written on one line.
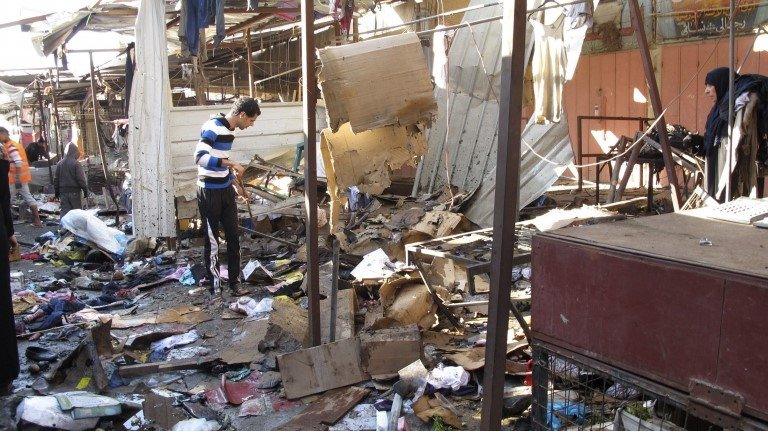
{"points": [[244, 347], [293, 319], [474, 358], [366, 159], [441, 223], [324, 367], [327, 410], [377, 82], [386, 351], [346, 307]]}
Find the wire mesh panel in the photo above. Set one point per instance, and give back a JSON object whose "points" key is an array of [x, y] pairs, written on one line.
{"points": [[568, 395]]}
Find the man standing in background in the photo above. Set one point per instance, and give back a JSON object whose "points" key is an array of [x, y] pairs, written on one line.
{"points": [[20, 170], [216, 196], [70, 180]]}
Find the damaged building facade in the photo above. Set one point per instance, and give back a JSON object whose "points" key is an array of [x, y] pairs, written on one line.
{"points": [[455, 214]]}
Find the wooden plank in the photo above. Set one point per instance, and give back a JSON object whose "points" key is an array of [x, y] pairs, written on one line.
{"points": [[324, 367], [327, 410], [346, 307], [676, 236], [166, 366], [386, 351]]}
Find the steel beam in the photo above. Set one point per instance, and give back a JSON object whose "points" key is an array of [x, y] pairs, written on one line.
{"points": [[505, 209], [309, 105], [653, 90]]}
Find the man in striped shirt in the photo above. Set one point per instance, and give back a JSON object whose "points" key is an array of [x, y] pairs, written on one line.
{"points": [[216, 188]]}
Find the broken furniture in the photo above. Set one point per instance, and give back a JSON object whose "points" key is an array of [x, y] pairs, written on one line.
{"points": [[604, 159], [649, 303], [472, 251]]}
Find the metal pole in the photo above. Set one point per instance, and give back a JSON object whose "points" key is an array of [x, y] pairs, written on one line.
{"points": [[42, 123], [56, 124], [40, 108], [653, 90], [55, 88], [309, 93], [334, 289], [731, 77], [505, 209], [101, 147], [248, 52]]}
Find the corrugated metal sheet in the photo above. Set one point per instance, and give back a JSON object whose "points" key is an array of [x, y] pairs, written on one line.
{"points": [[470, 119]]}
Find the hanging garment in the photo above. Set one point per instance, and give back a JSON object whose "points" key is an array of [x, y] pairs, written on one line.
{"points": [[548, 66], [253, 5], [197, 18], [216, 14]]}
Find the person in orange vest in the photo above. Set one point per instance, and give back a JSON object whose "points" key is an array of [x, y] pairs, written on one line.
{"points": [[20, 169]]}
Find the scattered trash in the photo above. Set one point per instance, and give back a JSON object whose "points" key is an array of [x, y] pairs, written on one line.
{"points": [[45, 411], [704, 242], [197, 425], [453, 377], [250, 307], [159, 349]]}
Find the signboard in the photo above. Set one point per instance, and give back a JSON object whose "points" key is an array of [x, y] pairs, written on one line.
{"points": [[685, 19]]}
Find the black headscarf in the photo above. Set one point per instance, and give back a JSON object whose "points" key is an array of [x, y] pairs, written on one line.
{"points": [[717, 122]]}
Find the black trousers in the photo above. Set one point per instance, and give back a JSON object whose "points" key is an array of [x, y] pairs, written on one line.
{"points": [[218, 211]]}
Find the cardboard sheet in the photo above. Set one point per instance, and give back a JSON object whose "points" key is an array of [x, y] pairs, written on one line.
{"points": [[377, 82]]}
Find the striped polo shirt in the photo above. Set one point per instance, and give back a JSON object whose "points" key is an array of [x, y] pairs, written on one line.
{"points": [[214, 145]]}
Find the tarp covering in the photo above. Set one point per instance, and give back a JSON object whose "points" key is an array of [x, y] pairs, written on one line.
{"points": [[149, 152], [16, 94]]}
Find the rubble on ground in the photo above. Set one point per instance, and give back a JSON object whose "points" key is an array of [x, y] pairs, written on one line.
{"points": [[125, 325]]}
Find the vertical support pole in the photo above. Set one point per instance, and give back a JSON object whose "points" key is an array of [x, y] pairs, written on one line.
{"points": [[540, 377], [41, 109], [355, 30], [731, 76], [505, 209], [653, 90], [309, 105], [60, 147], [249, 60], [334, 289], [42, 124], [235, 90], [579, 158], [98, 142], [55, 117]]}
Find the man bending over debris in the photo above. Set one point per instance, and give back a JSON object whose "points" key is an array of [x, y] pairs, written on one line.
{"points": [[216, 189], [70, 180], [20, 170]]}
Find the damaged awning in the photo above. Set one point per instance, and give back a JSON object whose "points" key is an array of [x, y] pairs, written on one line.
{"points": [[462, 144]]}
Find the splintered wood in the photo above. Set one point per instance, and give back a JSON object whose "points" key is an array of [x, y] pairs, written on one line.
{"points": [[377, 82], [379, 100]]}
